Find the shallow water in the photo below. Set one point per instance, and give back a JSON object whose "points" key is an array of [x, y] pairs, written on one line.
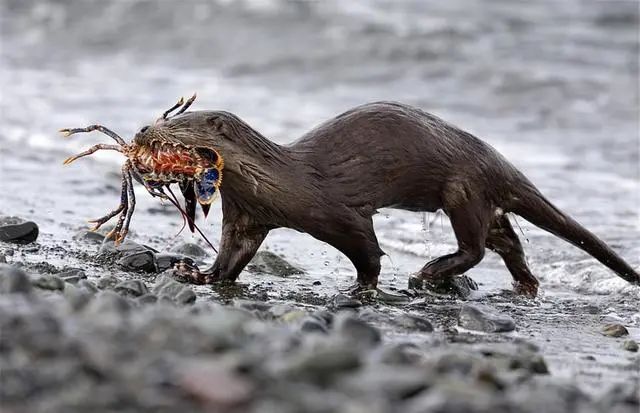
{"points": [[552, 85]]}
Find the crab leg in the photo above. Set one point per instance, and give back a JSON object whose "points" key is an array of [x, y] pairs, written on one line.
{"points": [[91, 150], [174, 107], [123, 202], [115, 232], [132, 202], [186, 105], [106, 131]]}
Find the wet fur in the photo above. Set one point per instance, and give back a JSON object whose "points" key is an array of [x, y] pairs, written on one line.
{"points": [[331, 181]]}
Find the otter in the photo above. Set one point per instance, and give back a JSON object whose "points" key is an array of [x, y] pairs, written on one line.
{"points": [[331, 181]]}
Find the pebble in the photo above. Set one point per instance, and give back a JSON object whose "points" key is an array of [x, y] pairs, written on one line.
{"points": [[107, 282], [615, 330], [414, 322], [88, 285], [147, 299], [72, 275], [312, 324], [459, 286], [190, 250], [131, 288], [357, 331], [19, 233], [484, 318], [630, 345], [166, 287], [143, 261], [14, 280], [166, 261], [49, 282], [88, 236], [266, 262]]}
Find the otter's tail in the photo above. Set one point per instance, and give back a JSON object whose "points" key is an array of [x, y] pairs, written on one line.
{"points": [[535, 208]]}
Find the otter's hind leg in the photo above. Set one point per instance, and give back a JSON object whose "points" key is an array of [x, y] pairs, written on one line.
{"points": [[470, 220], [504, 241]]}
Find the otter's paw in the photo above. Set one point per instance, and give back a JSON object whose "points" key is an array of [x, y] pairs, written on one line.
{"points": [[460, 286], [187, 271], [529, 290]]}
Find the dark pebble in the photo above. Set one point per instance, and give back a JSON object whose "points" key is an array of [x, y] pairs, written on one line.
{"points": [[131, 288], [88, 285], [22, 233], [147, 299], [166, 287], [77, 297], [630, 345], [49, 282], [91, 237], [166, 261], [357, 331], [312, 324], [72, 275], [14, 280], [266, 262], [107, 282], [484, 318], [138, 261]]}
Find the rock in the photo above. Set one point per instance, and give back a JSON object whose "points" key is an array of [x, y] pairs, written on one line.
{"points": [[72, 275], [357, 331], [77, 297], [147, 299], [312, 324], [630, 345], [250, 305], [484, 318], [88, 285], [49, 282], [322, 364], [166, 261], [88, 236], [108, 302], [166, 287], [392, 382], [19, 233], [190, 250], [138, 261], [266, 262], [399, 353], [615, 330], [459, 286], [414, 322], [109, 249], [107, 282], [214, 385], [549, 396], [3, 259], [344, 301], [131, 288], [455, 398], [14, 280]]}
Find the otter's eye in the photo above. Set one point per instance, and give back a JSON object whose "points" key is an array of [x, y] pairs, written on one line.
{"points": [[144, 129]]}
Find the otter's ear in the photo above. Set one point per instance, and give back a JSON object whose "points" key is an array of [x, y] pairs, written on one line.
{"points": [[215, 122]]}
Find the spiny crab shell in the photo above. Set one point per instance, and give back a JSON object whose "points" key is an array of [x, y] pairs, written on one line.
{"points": [[160, 163]]}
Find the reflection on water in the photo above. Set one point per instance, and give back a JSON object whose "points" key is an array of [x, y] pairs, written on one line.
{"points": [[553, 85]]}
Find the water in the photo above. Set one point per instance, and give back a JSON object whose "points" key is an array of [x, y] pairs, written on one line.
{"points": [[553, 85]]}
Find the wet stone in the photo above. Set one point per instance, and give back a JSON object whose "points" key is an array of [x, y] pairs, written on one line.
{"points": [[344, 301], [266, 262], [147, 299], [72, 275], [107, 282], [190, 250], [88, 236], [357, 331], [615, 330], [131, 288], [166, 261], [630, 345], [312, 324], [88, 285], [78, 298], [484, 318], [14, 280], [143, 261], [459, 286], [49, 282], [108, 302], [109, 249], [19, 233], [414, 322], [166, 287]]}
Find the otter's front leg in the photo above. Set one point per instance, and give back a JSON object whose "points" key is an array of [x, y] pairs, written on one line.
{"points": [[240, 241]]}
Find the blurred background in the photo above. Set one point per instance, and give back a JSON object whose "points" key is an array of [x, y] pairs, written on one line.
{"points": [[552, 84]]}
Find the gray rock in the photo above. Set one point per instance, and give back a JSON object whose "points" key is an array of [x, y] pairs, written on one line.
{"points": [[166, 287], [77, 297], [143, 261], [459, 286], [49, 282], [615, 330], [266, 262], [3, 259], [108, 302], [414, 322], [357, 331], [107, 282], [190, 250], [548, 396], [344, 301], [251, 305], [147, 299], [166, 261], [88, 236], [19, 233], [456, 398], [14, 280], [88, 285], [484, 318], [392, 382], [322, 364], [398, 353], [72, 275], [109, 249], [630, 345], [131, 288], [313, 325]]}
